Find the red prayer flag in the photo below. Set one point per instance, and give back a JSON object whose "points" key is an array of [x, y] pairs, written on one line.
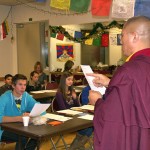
{"points": [[101, 7], [105, 40], [3, 28], [60, 36]]}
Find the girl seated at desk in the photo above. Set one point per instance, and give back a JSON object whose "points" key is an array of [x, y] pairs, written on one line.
{"points": [[33, 84], [66, 98]]}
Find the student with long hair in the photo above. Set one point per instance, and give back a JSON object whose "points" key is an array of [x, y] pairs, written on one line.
{"points": [[66, 98]]}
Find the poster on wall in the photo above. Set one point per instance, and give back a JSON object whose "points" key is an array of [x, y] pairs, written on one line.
{"points": [[65, 52]]}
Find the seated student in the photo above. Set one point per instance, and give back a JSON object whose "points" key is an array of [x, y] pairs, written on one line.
{"points": [[33, 84], [42, 76], [66, 98], [68, 66], [13, 105], [7, 86]]}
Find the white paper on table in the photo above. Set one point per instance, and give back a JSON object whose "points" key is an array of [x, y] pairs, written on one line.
{"points": [[70, 112], [87, 107], [87, 117], [87, 69], [80, 86], [57, 117], [41, 91], [38, 109], [49, 91]]}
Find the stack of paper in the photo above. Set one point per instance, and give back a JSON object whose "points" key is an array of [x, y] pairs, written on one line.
{"points": [[87, 117], [88, 107], [57, 117], [70, 112]]}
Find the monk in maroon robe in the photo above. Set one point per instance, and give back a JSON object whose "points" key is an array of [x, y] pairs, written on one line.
{"points": [[122, 115]]}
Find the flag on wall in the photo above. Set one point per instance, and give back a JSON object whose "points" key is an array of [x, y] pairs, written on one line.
{"points": [[88, 41], [60, 4], [77, 34], [97, 41], [2, 32], [123, 9], [142, 8], [65, 52], [79, 5], [53, 35], [101, 7], [60, 36], [105, 40]]}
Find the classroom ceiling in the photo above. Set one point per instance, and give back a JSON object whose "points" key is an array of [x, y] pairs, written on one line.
{"points": [[14, 2]]}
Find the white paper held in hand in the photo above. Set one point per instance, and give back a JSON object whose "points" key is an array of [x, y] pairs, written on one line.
{"points": [[38, 109], [87, 69]]}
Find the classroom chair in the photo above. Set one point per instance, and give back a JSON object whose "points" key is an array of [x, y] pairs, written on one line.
{"points": [[54, 108]]}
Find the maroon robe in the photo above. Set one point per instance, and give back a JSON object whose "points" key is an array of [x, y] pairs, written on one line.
{"points": [[122, 117]]}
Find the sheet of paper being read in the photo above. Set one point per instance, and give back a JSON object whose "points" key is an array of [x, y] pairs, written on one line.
{"points": [[87, 69], [38, 109]]}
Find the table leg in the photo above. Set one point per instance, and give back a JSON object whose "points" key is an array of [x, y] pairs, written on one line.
{"points": [[19, 142]]}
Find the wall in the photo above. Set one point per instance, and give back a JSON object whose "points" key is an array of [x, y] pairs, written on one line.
{"points": [[115, 52], [6, 49], [21, 14]]}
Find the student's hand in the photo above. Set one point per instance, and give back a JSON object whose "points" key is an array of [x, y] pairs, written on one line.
{"points": [[94, 96], [26, 114], [99, 80], [74, 95]]}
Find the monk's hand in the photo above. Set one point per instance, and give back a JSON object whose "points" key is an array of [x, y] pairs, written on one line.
{"points": [[94, 96], [99, 80]]}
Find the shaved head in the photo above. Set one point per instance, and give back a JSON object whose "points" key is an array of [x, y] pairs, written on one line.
{"points": [[141, 25]]}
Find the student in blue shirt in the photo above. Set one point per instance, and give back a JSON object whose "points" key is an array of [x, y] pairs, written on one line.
{"points": [[13, 105]]}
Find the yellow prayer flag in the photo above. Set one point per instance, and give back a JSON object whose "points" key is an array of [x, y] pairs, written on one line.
{"points": [[7, 26], [88, 41], [60, 4]]}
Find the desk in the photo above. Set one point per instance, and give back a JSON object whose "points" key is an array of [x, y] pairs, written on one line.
{"points": [[47, 94], [46, 131]]}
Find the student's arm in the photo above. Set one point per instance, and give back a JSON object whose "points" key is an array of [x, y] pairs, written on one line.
{"points": [[12, 119], [60, 101]]}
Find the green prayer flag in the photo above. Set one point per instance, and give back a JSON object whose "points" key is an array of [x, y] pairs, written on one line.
{"points": [[79, 5], [53, 35], [97, 41]]}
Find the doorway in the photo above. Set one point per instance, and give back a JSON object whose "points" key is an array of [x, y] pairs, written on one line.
{"points": [[32, 46]]}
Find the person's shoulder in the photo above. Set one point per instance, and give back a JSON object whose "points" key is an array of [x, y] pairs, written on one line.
{"points": [[7, 95], [26, 94], [58, 93]]}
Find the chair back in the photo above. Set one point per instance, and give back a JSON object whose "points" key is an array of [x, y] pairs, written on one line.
{"points": [[54, 105], [51, 86]]}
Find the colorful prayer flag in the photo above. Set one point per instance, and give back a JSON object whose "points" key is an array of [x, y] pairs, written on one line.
{"points": [[105, 40], [60, 4], [101, 7], [123, 9], [53, 35], [77, 34], [88, 41], [79, 5], [97, 41], [142, 8], [60, 36]]}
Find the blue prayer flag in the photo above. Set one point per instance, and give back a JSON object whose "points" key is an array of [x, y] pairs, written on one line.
{"points": [[142, 8], [77, 34]]}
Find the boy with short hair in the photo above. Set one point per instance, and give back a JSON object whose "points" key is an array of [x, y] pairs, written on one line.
{"points": [[14, 104], [7, 86]]}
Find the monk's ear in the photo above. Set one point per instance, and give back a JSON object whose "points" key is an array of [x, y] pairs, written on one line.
{"points": [[135, 37]]}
